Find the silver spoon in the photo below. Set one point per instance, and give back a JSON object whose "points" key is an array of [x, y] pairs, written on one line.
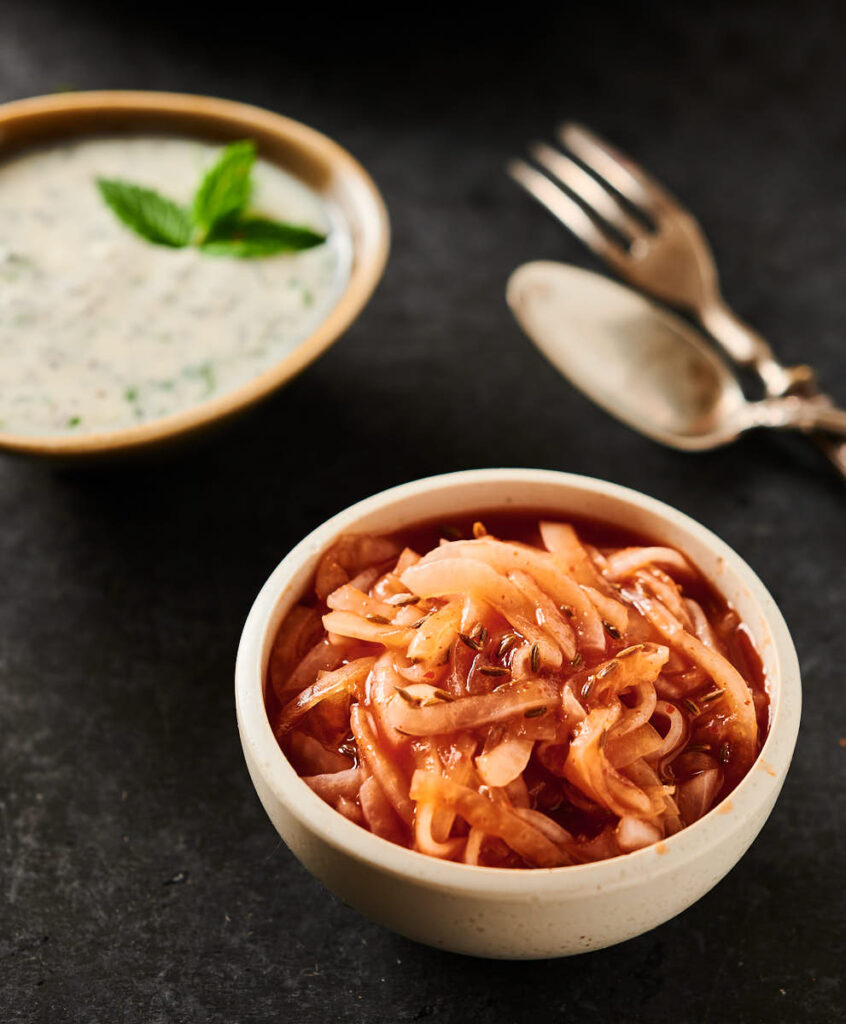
{"points": [[645, 366]]}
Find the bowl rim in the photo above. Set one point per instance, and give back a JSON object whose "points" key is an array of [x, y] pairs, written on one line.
{"points": [[369, 250], [758, 789]]}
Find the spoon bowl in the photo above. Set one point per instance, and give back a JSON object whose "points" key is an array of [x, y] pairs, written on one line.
{"points": [[647, 367]]}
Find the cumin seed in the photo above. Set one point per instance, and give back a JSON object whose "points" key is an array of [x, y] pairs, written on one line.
{"points": [[713, 695], [534, 658], [575, 662], [494, 670], [506, 643], [629, 651], [612, 631], [381, 620], [480, 634], [535, 712], [608, 669], [470, 641], [407, 697], [692, 706], [725, 753]]}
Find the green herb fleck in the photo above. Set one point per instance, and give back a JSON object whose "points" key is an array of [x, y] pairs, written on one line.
{"points": [[203, 372], [74, 421]]}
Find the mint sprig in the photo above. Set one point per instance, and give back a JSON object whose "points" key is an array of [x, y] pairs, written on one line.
{"points": [[217, 221]]}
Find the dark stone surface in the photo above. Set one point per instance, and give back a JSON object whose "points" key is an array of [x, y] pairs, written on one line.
{"points": [[141, 880]]}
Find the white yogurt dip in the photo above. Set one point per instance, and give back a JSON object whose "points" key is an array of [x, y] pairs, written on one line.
{"points": [[101, 330]]}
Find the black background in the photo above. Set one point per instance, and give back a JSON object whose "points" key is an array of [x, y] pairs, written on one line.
{"points": [[141, 880]]}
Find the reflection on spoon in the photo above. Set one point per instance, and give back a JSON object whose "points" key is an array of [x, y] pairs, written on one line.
{"points": [[644, 365]]}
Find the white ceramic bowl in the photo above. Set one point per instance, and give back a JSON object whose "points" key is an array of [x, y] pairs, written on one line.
{"points": [[497, 912]]}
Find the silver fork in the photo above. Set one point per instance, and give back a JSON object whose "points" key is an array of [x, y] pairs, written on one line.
{"points": [[657, 245]]}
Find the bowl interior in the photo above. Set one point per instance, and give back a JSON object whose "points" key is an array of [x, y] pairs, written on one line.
{"points": [[316, 160], [560, 495]]}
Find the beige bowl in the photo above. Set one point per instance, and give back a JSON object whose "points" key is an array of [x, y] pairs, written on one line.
{"points": [[316, 160], [497, 912]]}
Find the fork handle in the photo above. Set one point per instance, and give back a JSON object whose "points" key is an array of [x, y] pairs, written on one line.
{"points": [[747, 348]]}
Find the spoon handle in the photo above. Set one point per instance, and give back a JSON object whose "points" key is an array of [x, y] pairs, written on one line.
{"points": [[831, 420], [805, 414], [745, 347]]}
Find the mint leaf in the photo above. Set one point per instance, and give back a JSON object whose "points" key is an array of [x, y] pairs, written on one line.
{"points": [[257, 236], [148, 214], [225, 189]]}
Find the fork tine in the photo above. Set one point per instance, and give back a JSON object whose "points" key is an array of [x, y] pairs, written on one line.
{"points": [[621, 172], [586, 188], [567, 210]]}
